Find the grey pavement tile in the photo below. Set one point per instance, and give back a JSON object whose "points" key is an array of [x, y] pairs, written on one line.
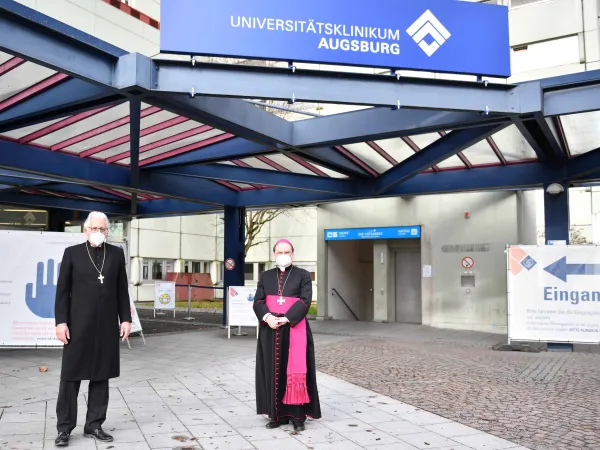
{"points": [[113, 424], [370, 437], [318, 435], [212, 431], [330, 413], [340, 445], [427, 440], [484, 441], [347, 425], [287, 444], [400, 427], [154, 416], [127, 446], [423, 418], [144, 407], [162, 427], [9, 429], [261, 433], [22, 442], [142, 398], [131, 435], [451, 429], [195, 408], [372, 415], [381, 400], [396, 446], [200, 419], [254, 420], [239, 411], [229, 402], [397, 409], [226, 443], [168, 440], [24, 417]]}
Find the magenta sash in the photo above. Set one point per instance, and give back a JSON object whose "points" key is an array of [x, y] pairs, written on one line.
{"points": [[296, 392]]}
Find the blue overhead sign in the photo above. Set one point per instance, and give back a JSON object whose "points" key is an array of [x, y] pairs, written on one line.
{"points": [[353, 234], [430, 35]]}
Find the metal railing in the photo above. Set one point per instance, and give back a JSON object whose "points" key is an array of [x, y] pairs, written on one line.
{"points": [[344, 302], [190, 286]]}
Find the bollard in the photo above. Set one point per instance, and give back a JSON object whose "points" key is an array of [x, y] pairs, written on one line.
{"points": [[189, 317]]}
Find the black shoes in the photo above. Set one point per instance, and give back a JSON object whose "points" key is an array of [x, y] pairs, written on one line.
{"points": [[99, 435], [298, 426], [62, 440], [271, 425]]}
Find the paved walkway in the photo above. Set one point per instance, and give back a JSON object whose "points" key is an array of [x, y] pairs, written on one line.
{"points": [[196, 390]]}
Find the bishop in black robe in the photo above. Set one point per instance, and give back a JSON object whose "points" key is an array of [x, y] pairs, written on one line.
{"points": [[273, 349], [92, 297]]}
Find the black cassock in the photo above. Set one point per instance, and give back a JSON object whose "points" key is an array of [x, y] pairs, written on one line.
{"points": [[268, 397], [92, 311]]}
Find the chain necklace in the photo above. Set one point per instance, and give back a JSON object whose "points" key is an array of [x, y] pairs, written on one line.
{"points": [[100, 276], [280, 289]]}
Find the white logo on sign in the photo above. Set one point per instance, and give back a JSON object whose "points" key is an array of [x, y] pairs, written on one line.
{"points": [[425, 25], [413, 232]]}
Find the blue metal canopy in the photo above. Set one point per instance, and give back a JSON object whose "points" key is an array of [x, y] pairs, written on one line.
{"points": [[85, 125]]}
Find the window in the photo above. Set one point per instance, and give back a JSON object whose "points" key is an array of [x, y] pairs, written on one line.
{"points": [[261, 268], [196, 267], [157, 270], [249, 272], [145, 271]]}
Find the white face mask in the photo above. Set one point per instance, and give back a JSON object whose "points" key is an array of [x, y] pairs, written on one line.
{"points": [[283, 261], [97, 238]]}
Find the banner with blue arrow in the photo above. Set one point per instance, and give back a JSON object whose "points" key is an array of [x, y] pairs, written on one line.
{"points": [[554, 293]]}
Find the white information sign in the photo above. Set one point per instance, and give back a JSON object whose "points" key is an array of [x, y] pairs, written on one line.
{"points": [[554, 293], [28, 274], [240, 312], [164, 295]]}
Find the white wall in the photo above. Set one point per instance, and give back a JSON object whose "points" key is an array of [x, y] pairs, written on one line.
{"points": [[494, 220]]}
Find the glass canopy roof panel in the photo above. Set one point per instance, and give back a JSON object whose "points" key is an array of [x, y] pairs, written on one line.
{"points": [[289, 164], [369, 156], [4, 57], [396, 148], [22, 77], [424, 140], [513, 145], [582, 131], [331, 173], [256, 164], [481, 154], [95, 122], [197, 139], [172, 133], [21, 132], [453, 162]]}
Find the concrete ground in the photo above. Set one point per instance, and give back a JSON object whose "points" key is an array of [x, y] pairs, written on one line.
{"points": [[196, 390]]}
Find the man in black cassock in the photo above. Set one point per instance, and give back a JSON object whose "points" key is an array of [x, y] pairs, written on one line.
{"points": [[278, 393], [92, 296]]}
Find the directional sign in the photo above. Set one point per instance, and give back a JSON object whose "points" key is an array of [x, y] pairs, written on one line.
{"points": [[560, 269], [554, 293]]}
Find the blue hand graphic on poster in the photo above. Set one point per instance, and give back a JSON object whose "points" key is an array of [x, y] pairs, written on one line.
{"points": [[42, 305]]}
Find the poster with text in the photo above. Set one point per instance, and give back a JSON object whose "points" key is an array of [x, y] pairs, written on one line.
{"points": [[554, 293], [164, 295], [28, 274], [240, 312]]}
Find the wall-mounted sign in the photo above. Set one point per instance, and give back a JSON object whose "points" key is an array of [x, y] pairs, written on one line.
{"points": [[348, 234], [430, 35]]}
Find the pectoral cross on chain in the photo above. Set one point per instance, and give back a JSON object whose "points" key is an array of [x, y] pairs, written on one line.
{"points": [[101, 278], [281, 301]]}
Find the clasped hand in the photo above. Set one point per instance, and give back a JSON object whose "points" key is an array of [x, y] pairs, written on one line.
{"points": [[276, 322]]}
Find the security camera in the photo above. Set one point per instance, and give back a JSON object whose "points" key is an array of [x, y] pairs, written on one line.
{"points": [[555, 189]]}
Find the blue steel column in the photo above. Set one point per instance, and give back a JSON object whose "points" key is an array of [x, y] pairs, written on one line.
{"points": [[235, 236], [556, 214], [135, 106]]}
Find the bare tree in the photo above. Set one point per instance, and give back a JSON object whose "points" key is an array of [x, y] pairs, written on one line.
{"points": [[255, 222]]}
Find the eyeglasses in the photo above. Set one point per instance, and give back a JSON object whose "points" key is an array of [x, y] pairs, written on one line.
{"points": [[96, 229]]}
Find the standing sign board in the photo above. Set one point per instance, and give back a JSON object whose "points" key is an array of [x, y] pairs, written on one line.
{"points": [[554, 293], [164, 295], [428, 35], [28, 275], [240, 311]]}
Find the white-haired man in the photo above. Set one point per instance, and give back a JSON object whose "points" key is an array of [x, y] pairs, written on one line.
{"points": [[92, 296]]}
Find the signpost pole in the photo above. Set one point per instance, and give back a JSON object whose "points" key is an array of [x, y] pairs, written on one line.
{"points": [[189, 316]]}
